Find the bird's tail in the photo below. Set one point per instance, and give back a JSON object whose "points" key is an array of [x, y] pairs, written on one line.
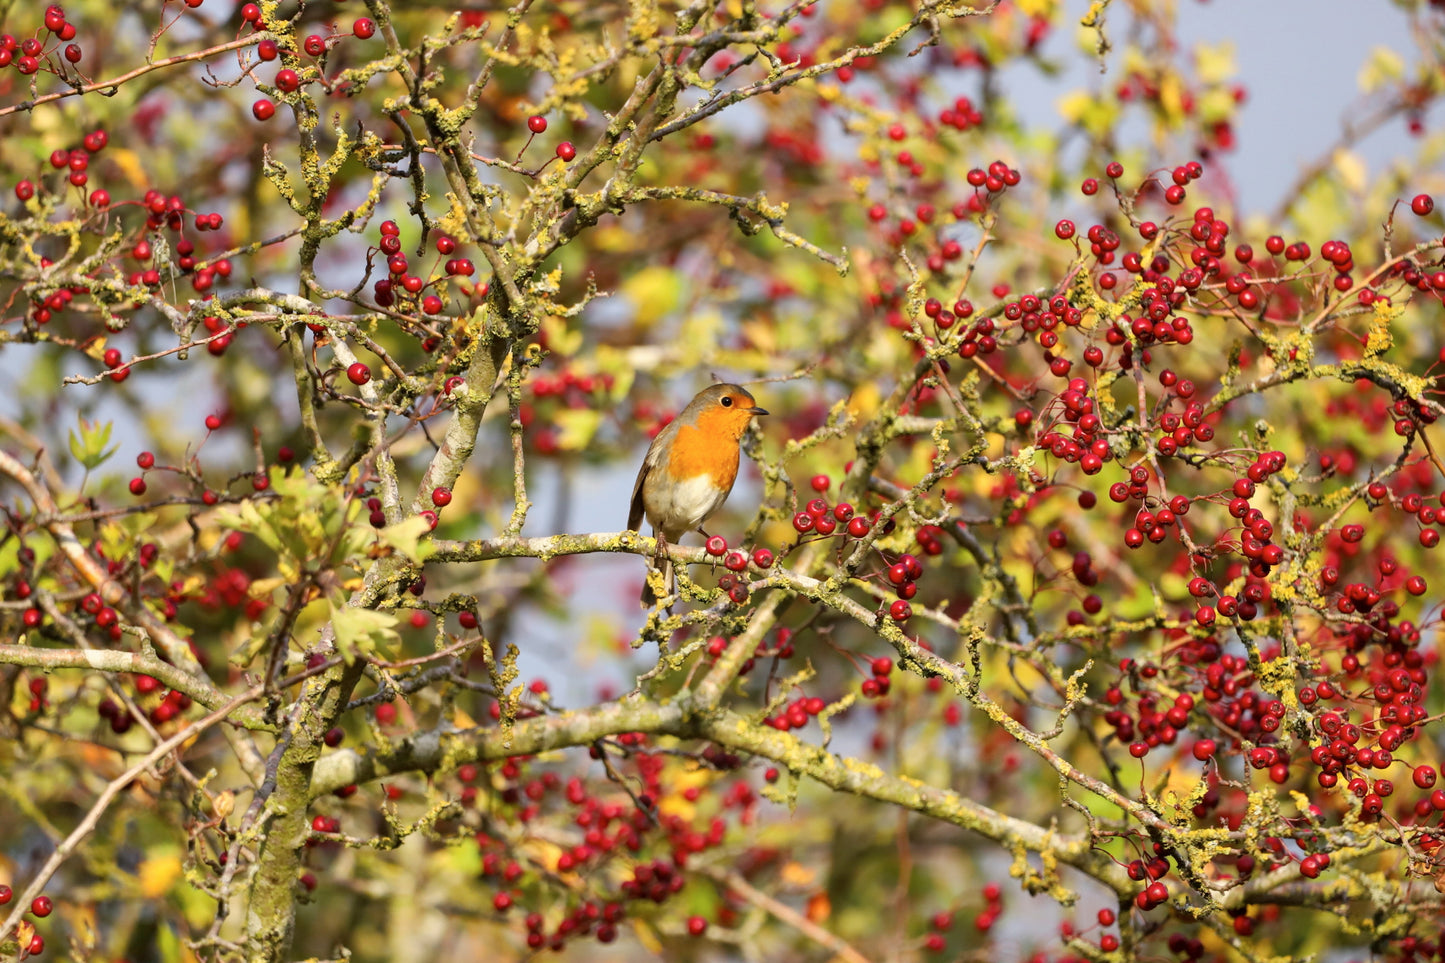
{"points": [[661, 567]]}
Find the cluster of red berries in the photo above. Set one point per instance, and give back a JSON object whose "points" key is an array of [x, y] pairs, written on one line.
{"points": [[40, 907], [29, 55], [878, 682], [401, 280], [162, 212], [605, 829], [820, 518], [314, 45], [795, 714], [940, 923]]}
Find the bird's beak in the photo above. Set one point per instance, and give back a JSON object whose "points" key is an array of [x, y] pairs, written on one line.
{"points": [[758, 411]]}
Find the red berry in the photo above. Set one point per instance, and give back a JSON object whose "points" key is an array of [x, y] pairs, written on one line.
{"points": [[263, 109], [717, 545], [566, 151], [536, 123], [441, 497], [900, 611], [41, 906], [137, 486], [1422, 204], [363, 28], [358, 373], [696, 925]]}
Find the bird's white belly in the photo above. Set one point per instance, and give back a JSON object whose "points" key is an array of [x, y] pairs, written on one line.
{"points": [[682, 507]]}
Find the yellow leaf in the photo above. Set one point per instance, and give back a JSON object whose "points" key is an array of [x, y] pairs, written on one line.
{"points": [[1383, 67], [578, 426], [654, 292], [1073, 105], [1042, 9], [263, 587], [864, 400], [1214, 64], [761, 336], [1171, 98], [674, 803], [1215, 104], [1351, 169], [562, 339], [1095, 116], [608, 238], [130, 165], [543, 852], [698, 336], [647, 936], [158, 875]]}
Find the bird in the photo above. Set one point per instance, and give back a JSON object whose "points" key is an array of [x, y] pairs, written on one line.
{"points": [[689, 470]]}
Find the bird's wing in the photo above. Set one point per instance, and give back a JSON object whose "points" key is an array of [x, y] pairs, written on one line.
{"points": [[649, 462], [634, 515]]}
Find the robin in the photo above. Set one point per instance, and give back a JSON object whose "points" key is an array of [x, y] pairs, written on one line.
{"points": [[690, 469]]}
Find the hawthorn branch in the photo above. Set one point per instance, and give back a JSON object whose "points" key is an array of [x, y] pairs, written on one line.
{"points": [[114, 84], [118, 662], [789, 916]]}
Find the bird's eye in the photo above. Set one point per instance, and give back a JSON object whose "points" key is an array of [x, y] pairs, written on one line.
{"points": [[727, 401]]}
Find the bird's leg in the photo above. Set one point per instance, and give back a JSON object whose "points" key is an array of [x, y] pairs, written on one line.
{"points": [[663, 566]]}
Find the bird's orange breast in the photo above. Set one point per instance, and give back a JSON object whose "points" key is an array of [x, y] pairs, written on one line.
{"points": [[702, 449]]}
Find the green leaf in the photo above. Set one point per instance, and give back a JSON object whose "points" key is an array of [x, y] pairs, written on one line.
{"points": [[410, 537], [88, 446], [362, 632]]}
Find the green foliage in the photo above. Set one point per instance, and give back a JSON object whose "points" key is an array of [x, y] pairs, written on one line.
{"points": [[88, 444]]}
